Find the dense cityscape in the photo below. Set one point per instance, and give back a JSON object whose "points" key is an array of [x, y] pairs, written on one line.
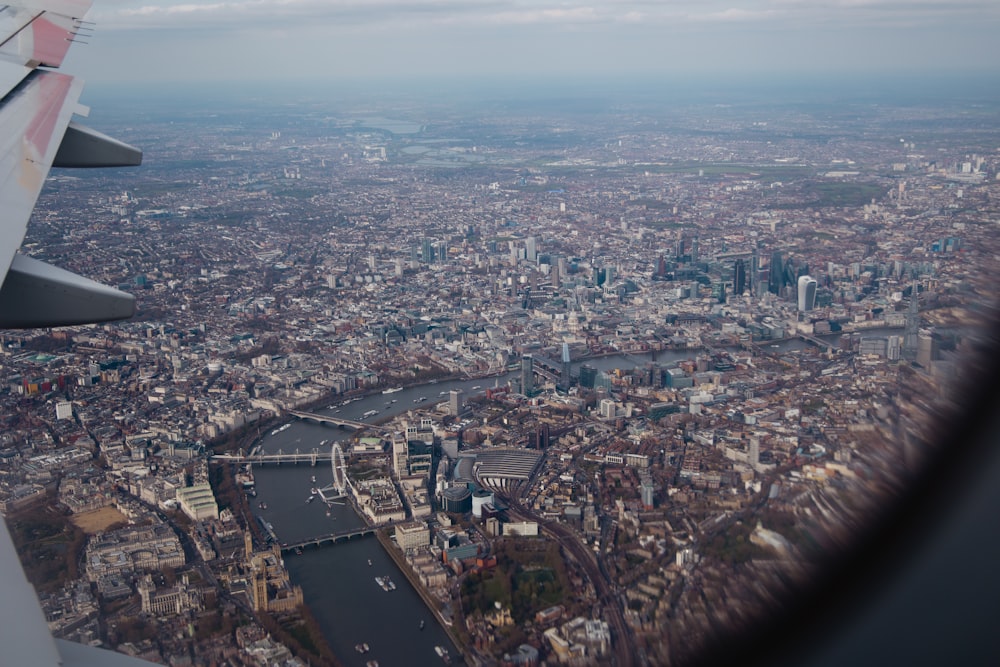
{"points": [[665, 358]]}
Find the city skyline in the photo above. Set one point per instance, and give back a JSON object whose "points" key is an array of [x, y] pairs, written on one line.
{"points": [[617, 372], [321, 41]]}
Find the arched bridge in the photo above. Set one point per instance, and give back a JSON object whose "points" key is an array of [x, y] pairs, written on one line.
{"points": [[332, 538], [326, 419], [818, 342]]}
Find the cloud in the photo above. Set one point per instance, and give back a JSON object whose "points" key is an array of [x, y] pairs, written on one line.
{"points": [[321, 38], [668, 14], [163, 14]]}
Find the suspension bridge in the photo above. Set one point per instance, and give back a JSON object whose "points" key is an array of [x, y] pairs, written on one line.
{"points": [[312, 457]]}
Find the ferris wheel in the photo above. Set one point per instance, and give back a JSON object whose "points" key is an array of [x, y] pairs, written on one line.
{"points": [[339, 468]]}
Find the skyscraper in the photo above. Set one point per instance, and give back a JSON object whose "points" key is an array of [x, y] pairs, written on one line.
{"points": [[647, 490], [564, 376], [530, 249], [911, 332], [739, 277], [776, 273], [527, 374], [807, 293], [927, 349], [400, 455]]}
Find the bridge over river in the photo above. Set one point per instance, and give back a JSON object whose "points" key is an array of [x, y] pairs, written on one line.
{"points": [[312, 457], [327, 419], [332, 538]]}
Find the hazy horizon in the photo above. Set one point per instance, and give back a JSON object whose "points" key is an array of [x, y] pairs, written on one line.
{"points": [[572, 94], [320, 41]]}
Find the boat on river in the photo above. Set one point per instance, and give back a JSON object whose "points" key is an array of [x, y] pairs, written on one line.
{"points": [[392, 391]]}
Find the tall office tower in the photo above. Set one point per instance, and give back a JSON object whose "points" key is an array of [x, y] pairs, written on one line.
{"points": [[527, 374], [647, 490], [661, 267], [455, 402], [754, 272], [541, 437], [807, 293], [927, 349], [599, 276], [793, 272], [694, 249], [400, 455], [892, 348], [555, 275], [530, 249], [427, 250], [564, 378], [609, 275], [588, 376], [754, 458], [776, 273], [912, 325], [739, 277]]}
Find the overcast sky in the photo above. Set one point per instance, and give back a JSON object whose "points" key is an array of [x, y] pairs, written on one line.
{"points": [[162, 40]]}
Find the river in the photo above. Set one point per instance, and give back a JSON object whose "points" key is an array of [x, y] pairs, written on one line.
{"points": [[338, 584]]}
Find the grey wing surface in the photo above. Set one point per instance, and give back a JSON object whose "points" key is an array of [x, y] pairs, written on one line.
{"points": [[37, 132]]}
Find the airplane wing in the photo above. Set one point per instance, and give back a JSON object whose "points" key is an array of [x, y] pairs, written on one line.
{"points": [[24, 633], [37, 131]]}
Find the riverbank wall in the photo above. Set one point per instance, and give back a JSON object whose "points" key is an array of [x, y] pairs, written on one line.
{"points": [[397, 556]]}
